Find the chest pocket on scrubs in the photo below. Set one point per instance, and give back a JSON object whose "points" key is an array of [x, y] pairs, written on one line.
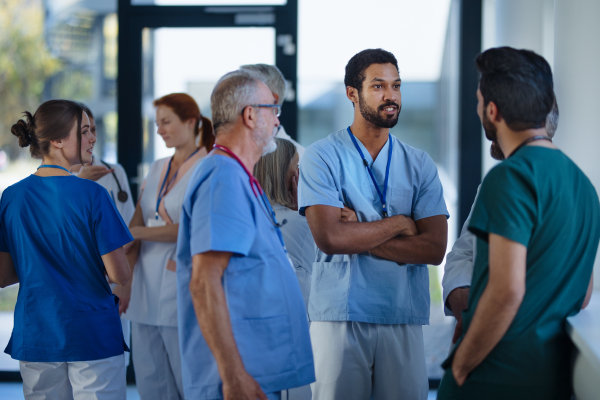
{"points": [[400, 201]]}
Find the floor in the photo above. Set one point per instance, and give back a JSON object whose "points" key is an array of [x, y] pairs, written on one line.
{"points": [[14, 391]]}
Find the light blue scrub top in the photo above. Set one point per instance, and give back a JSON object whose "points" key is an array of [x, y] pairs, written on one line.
{"points": [[56, 229], [268, 317], [363, 287]]}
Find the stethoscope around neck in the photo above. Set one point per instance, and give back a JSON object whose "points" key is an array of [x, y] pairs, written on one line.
{"points": [[122, 195]]}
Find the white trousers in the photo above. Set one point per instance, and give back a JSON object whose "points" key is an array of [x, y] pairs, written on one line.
{"points": [[79, 380], [156, 362], [362, 361]]}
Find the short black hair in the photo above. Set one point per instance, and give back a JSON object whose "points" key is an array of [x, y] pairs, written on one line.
{"points": [[355, 69], [520, 83]]}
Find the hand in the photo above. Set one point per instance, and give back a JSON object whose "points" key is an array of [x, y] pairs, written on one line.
{"points": [[293, 192], [410, 228], [242, 387], [93, 172], [348, 215], [457, 301], [459, 376], [124, 295]]}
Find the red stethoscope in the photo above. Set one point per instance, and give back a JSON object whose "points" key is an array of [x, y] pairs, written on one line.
{"points": [[259, 193]]}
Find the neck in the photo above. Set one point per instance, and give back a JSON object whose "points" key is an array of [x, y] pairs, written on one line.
{"points": [[510, 139], [53, 160], [370, 135], [183, 152], [242, 145]]}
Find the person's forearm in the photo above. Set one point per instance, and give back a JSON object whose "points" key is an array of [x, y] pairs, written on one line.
{"points": [[166, 233], [418, 249], [495, 312], [358, 237], [211, 310], [8, 273]]}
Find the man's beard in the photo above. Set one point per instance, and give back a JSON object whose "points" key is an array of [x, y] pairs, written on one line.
{"points": [[373, 116], [491, 133], [264, 140]]}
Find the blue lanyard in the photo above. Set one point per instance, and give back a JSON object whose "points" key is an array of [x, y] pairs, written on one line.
{"points": [[161, 195], [382, 196], [265, 201], [53, 166]]}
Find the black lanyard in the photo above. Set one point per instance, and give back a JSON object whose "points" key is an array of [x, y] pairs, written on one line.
{"points": [[382, 196], [527, 141]]}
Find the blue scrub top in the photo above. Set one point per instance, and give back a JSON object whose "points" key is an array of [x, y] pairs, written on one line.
{"points": [[56, 229], [268, 317], [363, 287]]}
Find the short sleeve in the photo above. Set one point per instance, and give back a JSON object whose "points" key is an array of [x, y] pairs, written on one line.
{"points": [[221, 217], [110, 229], [430, 200], [506, 205], [317, 185]]}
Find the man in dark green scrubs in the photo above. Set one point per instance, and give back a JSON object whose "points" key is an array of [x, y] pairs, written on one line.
{"points": [[537, 222]]}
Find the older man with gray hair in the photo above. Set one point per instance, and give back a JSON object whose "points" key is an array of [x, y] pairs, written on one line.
{"points": [[242, 323], [274, 79]]}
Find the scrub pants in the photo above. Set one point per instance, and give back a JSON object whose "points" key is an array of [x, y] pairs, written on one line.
{"points": [[362, 361], [79, 380], [156, 362]]}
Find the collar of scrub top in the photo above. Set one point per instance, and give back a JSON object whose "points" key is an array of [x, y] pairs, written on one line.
{"points": [[53, 166], [265, 202], [382, 195], [529, 140], [161, 195]]}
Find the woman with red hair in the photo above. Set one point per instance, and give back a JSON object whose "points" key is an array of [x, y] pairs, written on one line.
{"points": [[152, 295]]}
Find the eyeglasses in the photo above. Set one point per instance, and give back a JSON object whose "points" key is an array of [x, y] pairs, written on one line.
{"points": [[276, 108]]}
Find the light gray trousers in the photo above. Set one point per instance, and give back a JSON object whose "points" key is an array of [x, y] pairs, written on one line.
{"points": [[156, 362], [362, 361]]}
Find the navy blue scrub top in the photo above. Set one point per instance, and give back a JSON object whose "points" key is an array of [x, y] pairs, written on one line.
{"points": [[56, 229]]}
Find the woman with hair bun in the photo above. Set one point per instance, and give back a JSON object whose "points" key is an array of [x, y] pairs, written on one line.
{"points": [[154, 226], [59, 236]]}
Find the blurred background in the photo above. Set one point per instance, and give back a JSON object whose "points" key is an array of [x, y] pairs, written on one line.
{"points": [[117, 56]]}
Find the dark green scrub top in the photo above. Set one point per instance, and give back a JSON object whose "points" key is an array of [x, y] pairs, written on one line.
{"points": [[541, 199]]}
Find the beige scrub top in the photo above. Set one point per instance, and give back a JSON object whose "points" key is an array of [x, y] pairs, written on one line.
{"points": [[153, 289]]}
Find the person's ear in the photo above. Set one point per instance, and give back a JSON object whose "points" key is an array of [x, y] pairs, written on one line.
{"points": [[57, 143], [492, 112], [249, 117], [352, 94]]}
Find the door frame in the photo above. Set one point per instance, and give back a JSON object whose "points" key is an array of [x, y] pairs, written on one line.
{"points": [[133, 19]]}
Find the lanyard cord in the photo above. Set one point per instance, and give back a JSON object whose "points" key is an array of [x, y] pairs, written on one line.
{"points": [[53, 166], [527, 141], [161, 195], [382, 196]]}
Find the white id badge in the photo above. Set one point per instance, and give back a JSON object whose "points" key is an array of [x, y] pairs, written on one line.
{"points": [[154, 222]]}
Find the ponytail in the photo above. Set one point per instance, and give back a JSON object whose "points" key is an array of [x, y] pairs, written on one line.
{"points": [[207, 136]]}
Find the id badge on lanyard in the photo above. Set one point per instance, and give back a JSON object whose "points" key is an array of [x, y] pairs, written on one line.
{"points": [[154, 222]]}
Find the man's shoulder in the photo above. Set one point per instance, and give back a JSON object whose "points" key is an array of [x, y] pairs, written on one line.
{"points": [[411, 151], [327, 146]]}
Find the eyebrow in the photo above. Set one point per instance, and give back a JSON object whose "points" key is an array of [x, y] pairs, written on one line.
{"points": [[85, 126], [383, 80]]}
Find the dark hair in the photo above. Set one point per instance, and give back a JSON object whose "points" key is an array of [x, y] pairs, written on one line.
{"points": [[185, 107], [52, 121], [355, 69], [87, 110], [520, 83]]}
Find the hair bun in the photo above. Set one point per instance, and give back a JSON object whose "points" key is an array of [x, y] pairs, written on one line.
{"points": [[23, 130]]}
